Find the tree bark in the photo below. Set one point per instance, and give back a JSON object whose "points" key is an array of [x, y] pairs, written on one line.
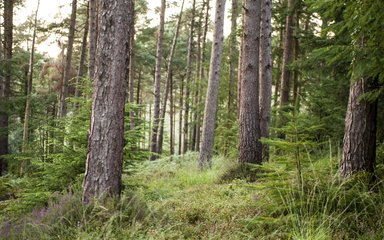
{"points": [[265, 73], [287, 56], [249, 134], [5, 84], [359, 145], [168, 83], [181, 104], [189, 79], [172, 117], [93, 28], [232, 55], [206, 147], [159, 58], [131, 81], [106, 138]]}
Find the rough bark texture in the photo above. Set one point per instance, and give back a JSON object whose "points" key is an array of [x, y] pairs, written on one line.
{"points": [[265, 73], [359, 146], [5, 84], [249, 132], [29, 84], [239, 73], [172, 117], [106, 138], [159, 58], [189, 79], [181, 101], [93, 27], [68, 62], [167, 87], [287, 56], [206, 147]]}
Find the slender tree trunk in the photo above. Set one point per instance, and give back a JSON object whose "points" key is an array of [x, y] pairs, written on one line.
{"points": [[239, 73], [189, 79], [29, 85], [159, 58], [202, 73], [232, 55], [249, 134], [106, 138], [287, 56], [93, 28], [5, 83], [181, 102], [206, 147], [138, 92], [197, 81], [172, 117], [359, 146], [167, 87], [131, 84], [68, 62], [265, 73], [80, 72]]}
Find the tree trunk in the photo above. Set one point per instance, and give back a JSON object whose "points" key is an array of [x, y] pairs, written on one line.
{"points": [[159, 58], [172, 117], [80, 72], [5, 83], [202, 73], [197, 82], [106, 138], [232, 55], [359, 146], [167, 87], [131, 84], [249, 133], [265, 73], [287, 56], [68, 62], [189, 79], [93, 28], [181, 102], [206, 147], [239, 73], [29, 85]]}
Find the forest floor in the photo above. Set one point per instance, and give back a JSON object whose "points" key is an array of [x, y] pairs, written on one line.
{"points": [[171, 199]]}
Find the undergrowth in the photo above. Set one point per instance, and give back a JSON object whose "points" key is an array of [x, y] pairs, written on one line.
{"points": [[171, 199]]}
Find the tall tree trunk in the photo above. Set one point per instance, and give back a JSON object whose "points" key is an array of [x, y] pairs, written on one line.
{"points": [[287, 56], [172, 117], [5, 83], [138, 92], [167, 87], [106, 138], [80, 72], [232, 55], [202, 73], [68, 62], [265, 73], [93, 28], [181, 104], [197, 81], [131, 83], [359, 146], [239, 73], [206, 147], [159, 58], [189, 78], [249, 134], [29, 85]]}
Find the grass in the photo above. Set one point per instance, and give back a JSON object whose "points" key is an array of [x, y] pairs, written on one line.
{"points": [[171, 199]]}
